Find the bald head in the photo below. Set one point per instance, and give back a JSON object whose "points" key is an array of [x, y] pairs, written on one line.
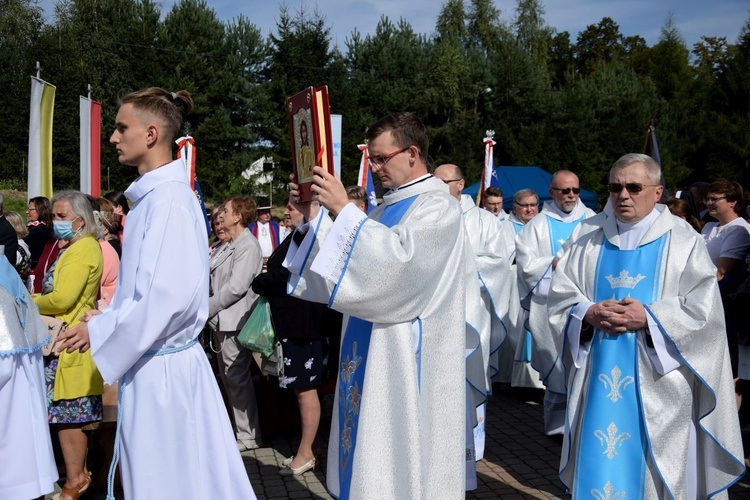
{"points": [[564, 189], [453, 176]]}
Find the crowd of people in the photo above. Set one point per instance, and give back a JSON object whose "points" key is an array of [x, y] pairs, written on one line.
{"points": [[628, 319]]}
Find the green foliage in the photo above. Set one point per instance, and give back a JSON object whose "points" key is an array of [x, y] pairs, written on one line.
{"points": [[598, 44], [552, 102]]}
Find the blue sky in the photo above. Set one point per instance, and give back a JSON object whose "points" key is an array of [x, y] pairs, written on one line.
{"points": [[694, 18]]}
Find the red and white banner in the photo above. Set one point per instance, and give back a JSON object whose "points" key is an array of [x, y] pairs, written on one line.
{"points": [[91, 146], [363, 167], [186, 151], [488, 169]]}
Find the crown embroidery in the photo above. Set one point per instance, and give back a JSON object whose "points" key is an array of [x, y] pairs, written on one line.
{"points": [[624, 281]]}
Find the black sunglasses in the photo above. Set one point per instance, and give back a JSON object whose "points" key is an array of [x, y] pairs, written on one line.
{"points": [[567, 190], [632, 187]]}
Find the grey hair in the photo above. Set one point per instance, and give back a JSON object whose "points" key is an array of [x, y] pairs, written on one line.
{"points": [[81, 207], [524, 193], [653, 170]]}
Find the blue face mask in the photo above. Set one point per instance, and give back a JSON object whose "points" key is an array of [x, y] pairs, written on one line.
{"points": [[64, 229]]}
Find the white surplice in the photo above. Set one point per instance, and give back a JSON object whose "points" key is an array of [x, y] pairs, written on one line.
{"points": [[409, 280], [28, 465], [489, 247], [684, 381], [488, 244], [534, 256], [175, 436]]}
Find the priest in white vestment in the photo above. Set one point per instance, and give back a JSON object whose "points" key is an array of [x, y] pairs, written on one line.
{"points": [[398, 427], [485, 234], [521, 374], [538, 247], [28, 465], [637, 316], [174, 437]]}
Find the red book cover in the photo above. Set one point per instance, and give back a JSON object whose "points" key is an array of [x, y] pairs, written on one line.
{"points": [[310, 132]]}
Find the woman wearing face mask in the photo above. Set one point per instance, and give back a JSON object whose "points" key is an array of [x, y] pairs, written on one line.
{"points": [[69, 289]]}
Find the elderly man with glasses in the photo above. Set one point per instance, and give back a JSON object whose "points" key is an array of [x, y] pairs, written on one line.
{"points": [[525, 208], [637, 321], [400, 276], [538, 247]]}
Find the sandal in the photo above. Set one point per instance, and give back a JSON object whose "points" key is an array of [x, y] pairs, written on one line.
{"points": [[75, 492]]}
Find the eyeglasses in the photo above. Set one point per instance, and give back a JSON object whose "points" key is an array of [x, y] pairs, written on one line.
{"points": [[713, 199], [567, 190], [526, 205], [448, 181], [30, 209], [631, 187], [379, 162]]}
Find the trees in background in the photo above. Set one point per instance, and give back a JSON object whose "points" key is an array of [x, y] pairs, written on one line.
{"points": [[553, 100]]}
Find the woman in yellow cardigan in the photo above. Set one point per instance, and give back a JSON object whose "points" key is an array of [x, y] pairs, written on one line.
{"points": [[69, 289]]}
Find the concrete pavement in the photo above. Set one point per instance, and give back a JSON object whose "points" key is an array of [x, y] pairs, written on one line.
{"points": [[520, 462]]}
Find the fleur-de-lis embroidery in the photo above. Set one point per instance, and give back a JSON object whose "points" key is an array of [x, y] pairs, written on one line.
{"points": [[609, 493], [615, 383], [611, 439]]}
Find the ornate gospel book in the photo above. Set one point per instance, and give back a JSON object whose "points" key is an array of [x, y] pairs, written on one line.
{"points": [[310, 132]]}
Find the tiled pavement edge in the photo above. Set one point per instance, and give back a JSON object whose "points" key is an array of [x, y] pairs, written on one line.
{"points": [[520, 461]]}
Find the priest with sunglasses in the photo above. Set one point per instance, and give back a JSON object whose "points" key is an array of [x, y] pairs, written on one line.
{"points": [[638, 324], [539, 245]]}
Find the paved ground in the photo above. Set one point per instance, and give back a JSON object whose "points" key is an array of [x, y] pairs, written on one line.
{"points": [[519, 463]]}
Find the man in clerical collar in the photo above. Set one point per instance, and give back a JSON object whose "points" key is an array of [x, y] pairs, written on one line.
{"points": [[522, 374], [493, 202], [400, 277], [637, 322], [525, 208], [485, 233], [265, 230], [538, 247]]}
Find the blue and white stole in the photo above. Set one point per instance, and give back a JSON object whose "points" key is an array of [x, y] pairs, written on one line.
{"points": [[354, 346], [560, 231], [612, 447]]}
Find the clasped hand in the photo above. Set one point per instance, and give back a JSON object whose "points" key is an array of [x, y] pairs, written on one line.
{"points": [[614, 317]]}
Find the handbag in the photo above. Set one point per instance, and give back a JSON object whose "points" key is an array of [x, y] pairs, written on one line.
{"points": [[54, 328], [257, 334]]}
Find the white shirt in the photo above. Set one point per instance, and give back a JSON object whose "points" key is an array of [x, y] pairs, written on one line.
{"points": [[264, 238], [731, 240]]}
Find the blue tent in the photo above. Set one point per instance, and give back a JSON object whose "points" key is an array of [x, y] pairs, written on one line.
{"points": [[514, 178]]}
